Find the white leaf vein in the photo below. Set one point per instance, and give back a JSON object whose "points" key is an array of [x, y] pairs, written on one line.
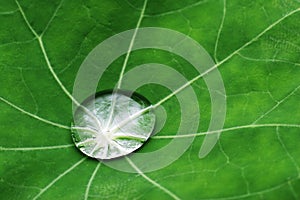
{"points": [[58, 178], [35, 148], [168, 192], [88, 187], [226, 130], [33, 115]]}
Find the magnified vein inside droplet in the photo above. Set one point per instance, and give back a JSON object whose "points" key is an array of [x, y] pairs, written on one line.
{"points": [[114, 140]]}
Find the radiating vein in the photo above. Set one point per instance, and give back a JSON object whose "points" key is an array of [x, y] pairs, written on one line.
{"points": [[88, 112], [87, 129], [125, 63], [227, 58], [171, 194], [35, 148], [58, 178], [49, 65], [33, 115], [219, 31], [130, 118], [226, 130], [131, 44], [45, 55], [259, 35], [216, 65], [26, 20], [53, 72], [86, 196]]}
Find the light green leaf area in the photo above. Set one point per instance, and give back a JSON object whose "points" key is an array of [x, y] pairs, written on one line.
{"points": [[257, 43]]}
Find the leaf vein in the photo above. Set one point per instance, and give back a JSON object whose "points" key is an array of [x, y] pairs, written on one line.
{"points": [[287, 152], [26, 20], [35, 148], [33, 115], [171, 194], [58, 178], [276, 105], [177, 10], [226, 130], [52, 17], [86, 195]]}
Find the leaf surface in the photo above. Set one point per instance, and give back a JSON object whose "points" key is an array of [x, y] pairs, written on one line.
{"points": [[256, 45]]}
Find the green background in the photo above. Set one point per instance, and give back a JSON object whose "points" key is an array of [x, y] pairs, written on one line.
{"points": [[261, 81]]}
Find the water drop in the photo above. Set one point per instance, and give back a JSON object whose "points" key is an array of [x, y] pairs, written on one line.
{"points": [[107, 125]]}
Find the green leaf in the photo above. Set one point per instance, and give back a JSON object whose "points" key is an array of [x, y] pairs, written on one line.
{"points": [[256, 46]]}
